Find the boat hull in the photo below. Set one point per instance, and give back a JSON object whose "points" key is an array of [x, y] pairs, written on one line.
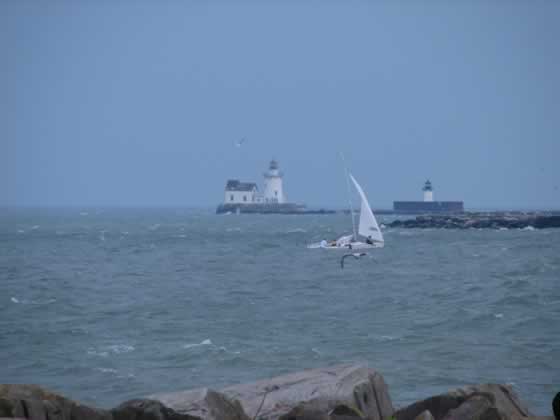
{"points": [[348, 246]]}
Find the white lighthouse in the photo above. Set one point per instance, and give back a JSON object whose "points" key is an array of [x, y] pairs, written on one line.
{"points": [[273, 192], [428, 191]]}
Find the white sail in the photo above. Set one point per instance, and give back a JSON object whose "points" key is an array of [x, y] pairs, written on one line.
{"points": [[368, 224]]}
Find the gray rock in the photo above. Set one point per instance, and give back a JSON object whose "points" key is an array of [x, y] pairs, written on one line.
{"points": [[424, 415], [482, 402], [205, 404], [144, 409], [481, 221], [503, 397], [309, 411], [438, 406], [303, 412], [356, 386], [478, 407], [34, 402]]}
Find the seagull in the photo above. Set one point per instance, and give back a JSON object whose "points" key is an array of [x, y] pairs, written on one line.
{"points": [[238, 143], [356, 255]]}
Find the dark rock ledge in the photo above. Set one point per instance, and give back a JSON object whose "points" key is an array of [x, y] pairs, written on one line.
{"points": [[347, 392], [481, 221]]}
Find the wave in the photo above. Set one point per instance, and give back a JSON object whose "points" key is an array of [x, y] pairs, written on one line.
{"points": [[206, 342], [33, 302], [105, 351], [296, 230], [408, 233], [121, 348], [106, 370]]}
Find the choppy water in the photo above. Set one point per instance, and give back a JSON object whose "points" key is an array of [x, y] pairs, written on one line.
{"points": [[109, 305]]}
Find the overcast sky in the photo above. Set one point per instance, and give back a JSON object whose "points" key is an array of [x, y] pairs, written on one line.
{"points": [[140, 102]]}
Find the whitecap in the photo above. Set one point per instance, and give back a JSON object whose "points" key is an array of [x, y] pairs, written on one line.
{"points": [[296, 230], [33, 302], [206, 342], [92, 352], [43, 302], [237, 229], [121, 348], [528, 228], [498, 315], [388, 338], [314, 350], [225, 350], [35, 227], [106, 370], [21, 231]]}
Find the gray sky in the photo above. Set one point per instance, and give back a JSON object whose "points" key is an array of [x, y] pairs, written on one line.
{"points": [[140, 103]]}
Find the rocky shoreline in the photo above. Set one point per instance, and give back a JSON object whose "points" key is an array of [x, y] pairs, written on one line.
{"points": [[344, 392], [481, 221]]}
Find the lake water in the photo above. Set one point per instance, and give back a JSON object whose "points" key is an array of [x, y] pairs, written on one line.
{"points": [[108, 305]]}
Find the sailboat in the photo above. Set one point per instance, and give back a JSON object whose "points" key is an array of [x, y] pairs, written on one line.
{"points": [[368, 234]]}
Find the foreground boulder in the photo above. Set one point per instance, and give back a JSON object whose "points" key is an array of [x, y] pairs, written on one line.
{"points": [[316, 391], [204, 404], [144, 409], [481, 402], [34, 402]]}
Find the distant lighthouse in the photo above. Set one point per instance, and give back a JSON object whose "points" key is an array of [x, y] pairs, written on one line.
{"points": [[428, 191], [273, 192]]}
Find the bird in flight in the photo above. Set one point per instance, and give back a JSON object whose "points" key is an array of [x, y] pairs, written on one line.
{"points": [[356, 255], [238, 143]]}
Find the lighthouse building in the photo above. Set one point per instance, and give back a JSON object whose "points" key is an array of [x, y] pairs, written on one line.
{"points": [[244, 197], [428, 191], [273, 192], [238, 192], [428, 205]]}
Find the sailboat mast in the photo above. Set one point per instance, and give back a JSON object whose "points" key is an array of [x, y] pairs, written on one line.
{"points": [[349, 197]]}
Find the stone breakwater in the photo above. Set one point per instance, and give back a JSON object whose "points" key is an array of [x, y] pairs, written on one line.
{"points": [[481, 221], [345, 392]]}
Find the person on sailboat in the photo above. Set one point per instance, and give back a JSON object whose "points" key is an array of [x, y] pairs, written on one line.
{"points": [[369, 240]]}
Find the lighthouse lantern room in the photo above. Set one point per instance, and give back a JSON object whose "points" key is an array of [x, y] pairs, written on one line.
{"points": [[428, 191]]}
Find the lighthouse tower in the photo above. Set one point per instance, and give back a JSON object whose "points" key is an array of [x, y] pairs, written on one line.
{"points": [[428, 191], [273, 192]]}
